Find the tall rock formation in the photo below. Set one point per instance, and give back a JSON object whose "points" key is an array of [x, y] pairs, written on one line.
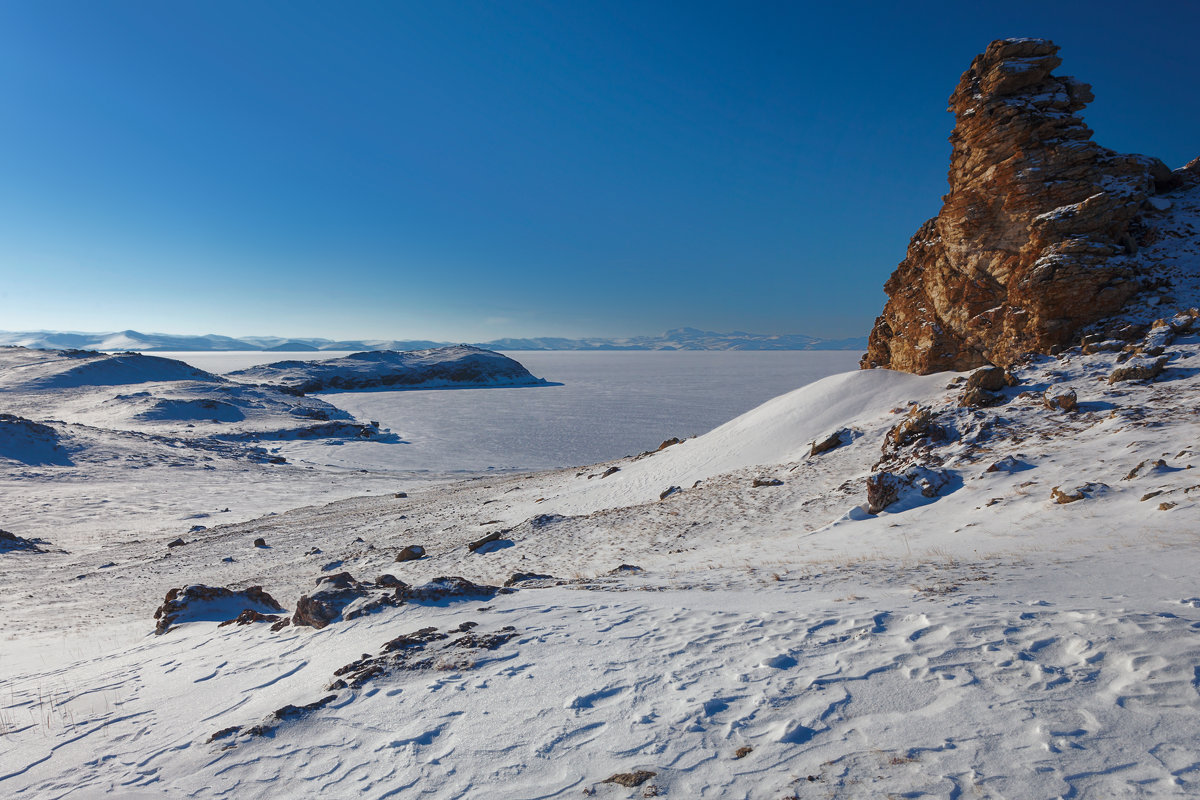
{"points": [[1038, 234]]}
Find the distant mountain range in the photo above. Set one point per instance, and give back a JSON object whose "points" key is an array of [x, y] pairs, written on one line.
{"points": [[677, 339]]}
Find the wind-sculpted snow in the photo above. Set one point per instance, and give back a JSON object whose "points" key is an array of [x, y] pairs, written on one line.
{"points": [[756, 633], [445, 367]]}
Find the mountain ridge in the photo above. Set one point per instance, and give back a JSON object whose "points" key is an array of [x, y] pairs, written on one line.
{"points": [[674, 339]]}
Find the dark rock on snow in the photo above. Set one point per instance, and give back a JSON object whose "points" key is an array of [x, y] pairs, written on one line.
{"points": [[411, 553], [200, 602], [11, 543]]}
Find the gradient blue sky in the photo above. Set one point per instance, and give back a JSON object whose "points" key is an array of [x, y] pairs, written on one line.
{"points": [[464, 171]]}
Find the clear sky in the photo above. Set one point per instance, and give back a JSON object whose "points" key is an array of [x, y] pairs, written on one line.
{"points": [[470, 170]]}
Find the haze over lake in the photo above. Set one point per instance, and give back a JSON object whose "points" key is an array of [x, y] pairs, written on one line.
{"points": [[610, 404]]}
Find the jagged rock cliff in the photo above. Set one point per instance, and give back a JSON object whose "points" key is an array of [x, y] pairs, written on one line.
{"points": [[1039, 234]]}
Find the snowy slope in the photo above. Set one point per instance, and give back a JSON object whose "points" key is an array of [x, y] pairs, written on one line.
{"points": [[763, 641]]}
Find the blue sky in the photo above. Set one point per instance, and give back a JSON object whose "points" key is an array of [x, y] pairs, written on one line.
{"points": [[465, 171]]}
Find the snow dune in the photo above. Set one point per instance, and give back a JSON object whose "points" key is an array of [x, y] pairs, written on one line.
{"points": [[779, 431]]}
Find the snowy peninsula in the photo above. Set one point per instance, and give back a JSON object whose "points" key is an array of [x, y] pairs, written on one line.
{"points": [[461, 366]]}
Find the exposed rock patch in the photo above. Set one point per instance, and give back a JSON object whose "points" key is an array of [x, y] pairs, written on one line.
{"points": [[887, 488], [411, 553], [1060, 399], [249, 616], [340, 596], [200, 602], [838, 438], [630, 779], [1139, 369], [1073, 494]]}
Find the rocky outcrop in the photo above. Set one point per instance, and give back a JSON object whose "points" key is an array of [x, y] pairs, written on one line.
{"points": [[340, 596], [11, 543], [213, 603], [1036, 237]]}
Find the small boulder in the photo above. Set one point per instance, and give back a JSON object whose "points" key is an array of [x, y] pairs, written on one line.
{"points": [[176, 543], [1076, 493], [341, 596], [1139, 369], [991, 379], [1157, 339], [1008, 464], [610, 471], [527, 577], [761, 481], [260, 542], [1057, 399], [978, 397], [411, 553], [831, 442], [494, 536], [669, 443], [886, 488], [1157, 466], [916, 426], [248, 616], [670, 490], [400, 495], [451, 586]]}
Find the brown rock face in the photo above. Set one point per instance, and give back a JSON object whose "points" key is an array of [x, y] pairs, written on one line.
{"points": [[1034, 239]]}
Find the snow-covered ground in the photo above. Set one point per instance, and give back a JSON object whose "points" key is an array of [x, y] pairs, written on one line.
{"points": [[727, 640]]}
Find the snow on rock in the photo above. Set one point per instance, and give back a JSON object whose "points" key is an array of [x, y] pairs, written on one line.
{"points": [[200, 602], [340, 596], [11, 543], [443, 367]]}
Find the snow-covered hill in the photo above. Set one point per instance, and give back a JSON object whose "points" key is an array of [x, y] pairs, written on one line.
{"points": [[721, 617], [461, 366]]}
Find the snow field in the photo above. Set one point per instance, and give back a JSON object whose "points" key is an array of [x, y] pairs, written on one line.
{"points": [[985, 642]]}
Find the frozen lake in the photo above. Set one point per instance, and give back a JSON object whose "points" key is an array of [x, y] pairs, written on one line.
{"points": [[610, 404]]}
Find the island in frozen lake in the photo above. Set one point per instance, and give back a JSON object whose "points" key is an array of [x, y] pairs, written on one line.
{"points": [[457, 367]]}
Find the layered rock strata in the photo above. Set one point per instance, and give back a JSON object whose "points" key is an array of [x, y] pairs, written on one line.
{"points": [[1036, 238]]}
